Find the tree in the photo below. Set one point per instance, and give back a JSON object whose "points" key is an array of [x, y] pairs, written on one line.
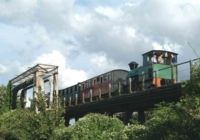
{"points": [[91, 127], [175, 120], [132, 132], [9, 94], [39, 103], [4, 100], [193, 86], [23, 124]]}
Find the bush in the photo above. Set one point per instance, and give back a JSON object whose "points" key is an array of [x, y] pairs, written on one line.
{"points": [[132, 132], [91, 127], [4, 100], [26, 125], [175, 121]]}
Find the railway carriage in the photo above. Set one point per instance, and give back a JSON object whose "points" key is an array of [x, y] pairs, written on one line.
{"points": [[102, 86]]}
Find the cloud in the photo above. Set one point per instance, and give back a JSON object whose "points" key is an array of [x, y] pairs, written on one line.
{"points": [[160, 20], [168, 46], [101, 63], [138, 26], [108, 12], [90, 37], [67, 75], [17, 11], [3, 69], [53, 15]]}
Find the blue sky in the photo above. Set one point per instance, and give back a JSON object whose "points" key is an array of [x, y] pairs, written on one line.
{"points": [[88, 37]]}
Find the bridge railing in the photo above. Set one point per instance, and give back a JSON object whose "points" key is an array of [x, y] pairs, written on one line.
{"points": [[184, 71]]}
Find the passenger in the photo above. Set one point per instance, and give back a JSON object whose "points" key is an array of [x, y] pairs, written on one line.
{"points": [[160, 59], [166, 55], [148, 60], [154, 59], [173, 59]]}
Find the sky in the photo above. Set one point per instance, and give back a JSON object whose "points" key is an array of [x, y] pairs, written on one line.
{"points": [[89, 37]]}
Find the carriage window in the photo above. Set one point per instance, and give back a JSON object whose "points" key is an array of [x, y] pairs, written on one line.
{"points": [[105, 77], [59, 91], [109, 76], [98, 79], [101, 79], [75, 87], [65, 93], [79, 87]]}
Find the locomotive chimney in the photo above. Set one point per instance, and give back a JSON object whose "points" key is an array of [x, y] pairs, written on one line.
{"points": [[133, 65]]}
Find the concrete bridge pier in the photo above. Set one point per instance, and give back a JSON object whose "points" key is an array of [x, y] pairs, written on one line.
{"points": [[39, 86], [23, 98], [67, 119], [127, 116], [14, 99], [141, 116], [108, 114]]}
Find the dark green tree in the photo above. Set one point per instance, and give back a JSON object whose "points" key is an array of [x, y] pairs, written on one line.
{"points": [[4, 99], [193, 86], [9, 94], [23, 124]]}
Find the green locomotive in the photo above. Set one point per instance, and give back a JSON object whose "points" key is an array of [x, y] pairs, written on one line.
{"points": [[158, 70]]}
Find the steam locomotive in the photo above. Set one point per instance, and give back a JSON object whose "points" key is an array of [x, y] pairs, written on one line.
{"points": [[159, 69]]}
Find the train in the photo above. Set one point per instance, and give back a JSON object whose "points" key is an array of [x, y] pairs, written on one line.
{"points": [[158, 69]]}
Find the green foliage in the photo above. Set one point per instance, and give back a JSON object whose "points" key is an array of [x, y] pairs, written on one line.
{"points": [[4, 100], [193, 86], [178, 121], [7, 135], [16, 122], [175, 121], [91, 127], [39, 102], [26, 125], [132, 132], [9, 94]]}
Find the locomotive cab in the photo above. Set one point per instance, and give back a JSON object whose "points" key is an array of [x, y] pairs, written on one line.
{"points": [[159, 57], [161, 65]]}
